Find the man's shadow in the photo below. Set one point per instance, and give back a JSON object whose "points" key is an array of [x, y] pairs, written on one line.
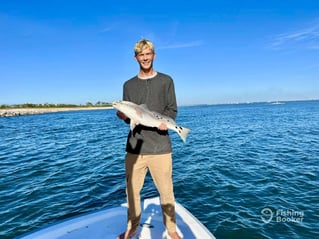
{"points": [[152, 222]]}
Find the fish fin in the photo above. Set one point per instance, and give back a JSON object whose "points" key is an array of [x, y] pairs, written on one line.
{"points": [[144, 106], [133, 124], [182, 132]]}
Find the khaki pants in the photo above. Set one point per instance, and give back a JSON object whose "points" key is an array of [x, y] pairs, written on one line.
{"points": [[160, 167]]}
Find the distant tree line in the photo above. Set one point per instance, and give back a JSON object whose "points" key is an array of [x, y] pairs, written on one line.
{"points": [[47, 105]]}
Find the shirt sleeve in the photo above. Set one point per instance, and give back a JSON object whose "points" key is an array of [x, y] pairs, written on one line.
{"points": [[171, 108]]}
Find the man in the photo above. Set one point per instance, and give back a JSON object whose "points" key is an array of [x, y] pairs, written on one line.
{"points": [[149, 148]]}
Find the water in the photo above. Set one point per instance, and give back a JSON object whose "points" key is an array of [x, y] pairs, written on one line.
{"points": [[246, 171]]}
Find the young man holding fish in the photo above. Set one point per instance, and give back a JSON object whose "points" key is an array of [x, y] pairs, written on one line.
{"points": [[149, 148]]}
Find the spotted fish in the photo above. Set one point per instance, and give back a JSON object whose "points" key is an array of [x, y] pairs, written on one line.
{"points": [[140, 114]]}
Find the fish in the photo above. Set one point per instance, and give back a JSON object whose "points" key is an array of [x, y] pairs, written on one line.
{"points": [[141, 115]]}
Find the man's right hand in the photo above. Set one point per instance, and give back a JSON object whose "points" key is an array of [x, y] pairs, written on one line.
{"points": [[121, 115]]}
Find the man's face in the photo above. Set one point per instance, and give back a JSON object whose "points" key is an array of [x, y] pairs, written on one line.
{"points": [[145, 59]]}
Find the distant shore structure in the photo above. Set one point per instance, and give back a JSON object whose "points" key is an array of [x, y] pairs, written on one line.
{"points": [[25, 109], [32, 111]]}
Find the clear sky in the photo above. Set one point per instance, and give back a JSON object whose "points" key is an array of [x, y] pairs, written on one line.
{"points": [[216, 51]]}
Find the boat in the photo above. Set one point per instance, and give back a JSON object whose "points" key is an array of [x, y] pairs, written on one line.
{"points": [[277, 103], [109, 223]]}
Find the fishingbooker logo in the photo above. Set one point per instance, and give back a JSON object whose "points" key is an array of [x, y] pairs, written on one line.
{"points": [[266, 215], [281, 215]]}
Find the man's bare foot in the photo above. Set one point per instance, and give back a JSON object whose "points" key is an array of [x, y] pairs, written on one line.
{"points": [[127, 234], [174, 235]]}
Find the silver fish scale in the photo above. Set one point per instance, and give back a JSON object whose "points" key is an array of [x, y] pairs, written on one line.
{"points": [[160, 117]]}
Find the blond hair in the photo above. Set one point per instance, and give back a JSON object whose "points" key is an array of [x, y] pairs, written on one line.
{"points": [[142, 45]]}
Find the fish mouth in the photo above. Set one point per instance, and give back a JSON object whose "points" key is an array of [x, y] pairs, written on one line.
{"points": [[114, 103]]}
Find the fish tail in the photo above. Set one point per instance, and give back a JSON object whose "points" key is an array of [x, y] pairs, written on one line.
{"points": [[182, 132]]}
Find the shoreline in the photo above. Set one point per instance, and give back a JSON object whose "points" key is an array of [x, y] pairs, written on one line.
{"points": [[34, 111]]}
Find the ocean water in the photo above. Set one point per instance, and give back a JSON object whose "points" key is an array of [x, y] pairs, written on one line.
{"points": [[246, 171]]}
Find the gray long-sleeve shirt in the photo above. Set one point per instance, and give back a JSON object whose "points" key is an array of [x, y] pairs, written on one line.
{"points": [[158, 93]]}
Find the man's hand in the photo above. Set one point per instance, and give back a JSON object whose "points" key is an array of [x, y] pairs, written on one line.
{"points": [[121, 115], [162, 127]]}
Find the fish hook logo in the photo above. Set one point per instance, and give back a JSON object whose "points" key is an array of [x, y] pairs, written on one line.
{"points": [[266, 215]]}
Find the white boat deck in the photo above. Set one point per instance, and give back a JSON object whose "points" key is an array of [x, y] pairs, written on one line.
{"points": [[109, 223]]}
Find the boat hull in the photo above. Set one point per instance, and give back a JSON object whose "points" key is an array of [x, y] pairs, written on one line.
{"points": [[109, 223]]}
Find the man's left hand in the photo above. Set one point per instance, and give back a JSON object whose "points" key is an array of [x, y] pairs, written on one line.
{"points": [[162, 127]]}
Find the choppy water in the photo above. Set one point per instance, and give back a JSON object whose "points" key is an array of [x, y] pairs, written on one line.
{"points": [[246, 171]]}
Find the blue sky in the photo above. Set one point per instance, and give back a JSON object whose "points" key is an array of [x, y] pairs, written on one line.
{"points": [[216, 51]]}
